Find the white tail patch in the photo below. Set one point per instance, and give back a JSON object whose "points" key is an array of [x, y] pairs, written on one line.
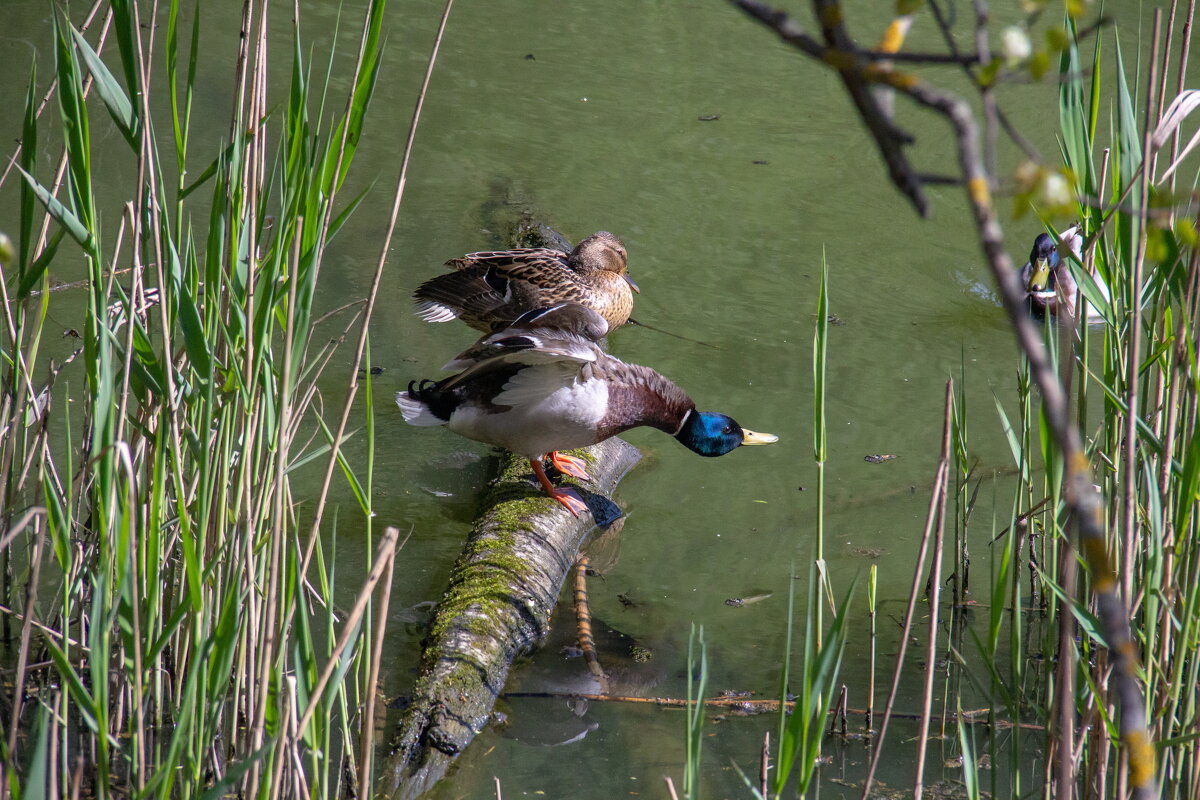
{"points": [[432, 311], [415, 412]]}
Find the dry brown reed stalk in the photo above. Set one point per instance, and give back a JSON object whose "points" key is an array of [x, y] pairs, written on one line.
{"points": [[384, 555], [1084, 506], [935, 585], [872, 615], [939, 485], [369, 307], [1064, 688], [49, 93], [262, 657], [764, 765], [1129, 527], [367, 737]]}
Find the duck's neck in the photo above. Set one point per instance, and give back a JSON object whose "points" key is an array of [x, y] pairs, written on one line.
{"points": [[643, 397]]}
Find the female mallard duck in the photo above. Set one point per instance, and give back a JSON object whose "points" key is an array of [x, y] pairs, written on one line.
{"points": [[493, 288], [1047, 277], [543, 385]]}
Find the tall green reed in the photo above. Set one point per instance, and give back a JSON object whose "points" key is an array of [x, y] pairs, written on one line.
{"points": [[1134, 374], [172, 623]]}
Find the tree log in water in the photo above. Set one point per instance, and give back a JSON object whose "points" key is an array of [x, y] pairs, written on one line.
{"points": [[497, 607]]}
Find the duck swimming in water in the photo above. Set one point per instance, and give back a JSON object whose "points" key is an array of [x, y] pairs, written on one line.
{"points": [[1047, 278], [494, 288], [543, 384]]}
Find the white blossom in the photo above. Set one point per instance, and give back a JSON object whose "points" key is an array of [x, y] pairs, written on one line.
{"points": [[1056, 191], [1015, 44]]}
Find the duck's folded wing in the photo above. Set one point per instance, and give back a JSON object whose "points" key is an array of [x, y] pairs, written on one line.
{"points": [[572, 318], [565, 330], [503, 259], [481, 292], [523, 350]]}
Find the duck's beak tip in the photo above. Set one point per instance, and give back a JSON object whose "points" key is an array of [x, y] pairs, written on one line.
{"points": [[750, 437], [1040, 277]]}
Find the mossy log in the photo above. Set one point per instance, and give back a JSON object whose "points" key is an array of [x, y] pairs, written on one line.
{"points": [[497, 607], [502, 591]]}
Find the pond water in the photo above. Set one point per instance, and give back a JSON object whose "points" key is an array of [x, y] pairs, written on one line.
{"points": [[594, 117]]}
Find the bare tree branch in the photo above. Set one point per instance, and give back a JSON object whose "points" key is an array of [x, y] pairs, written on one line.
{"points": [[838, 53], [1084, 503]]}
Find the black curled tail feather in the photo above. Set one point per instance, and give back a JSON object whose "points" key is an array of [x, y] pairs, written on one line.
{"points": [[429, 393]]}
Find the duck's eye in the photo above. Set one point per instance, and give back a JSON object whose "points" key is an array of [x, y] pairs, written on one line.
{"points": [[727, 429]]}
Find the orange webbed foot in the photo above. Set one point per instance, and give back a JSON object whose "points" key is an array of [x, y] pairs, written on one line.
{"points": [[567, 497], [569, 465]]}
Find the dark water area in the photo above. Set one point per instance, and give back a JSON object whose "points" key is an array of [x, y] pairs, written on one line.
{"points": [[730, 166]]}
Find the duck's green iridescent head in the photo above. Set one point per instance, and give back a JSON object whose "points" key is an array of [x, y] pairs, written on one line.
{"points": [[711, 434], [1044, 258]]}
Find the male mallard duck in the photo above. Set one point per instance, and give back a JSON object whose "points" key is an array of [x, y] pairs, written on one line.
{"points": [[543, 385], [491, 288], [1047, 278]]}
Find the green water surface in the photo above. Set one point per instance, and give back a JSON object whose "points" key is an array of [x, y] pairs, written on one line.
{"points": [[592, 115]]}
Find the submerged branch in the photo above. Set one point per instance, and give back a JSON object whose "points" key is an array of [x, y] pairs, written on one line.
{"points": [[754, 706]]}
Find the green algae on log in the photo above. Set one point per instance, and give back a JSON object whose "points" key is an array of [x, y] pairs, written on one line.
{"points": [[497, 607]]}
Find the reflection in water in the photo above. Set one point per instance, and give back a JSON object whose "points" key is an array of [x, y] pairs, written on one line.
{"points": [[632, 669]]}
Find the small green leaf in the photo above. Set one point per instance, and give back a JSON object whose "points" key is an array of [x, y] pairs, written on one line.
{"points": [[63, 215], [1039, 64], [987, 75], [29, 147], [1057, 39], [111, 93], [1185, 230], [38, 774], [39, 265]]}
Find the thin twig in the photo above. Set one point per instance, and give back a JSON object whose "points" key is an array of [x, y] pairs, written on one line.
{"points": [[764, 765], [935, 582], [367, 748], [1083, 503], [384, 555], [372, 294]]}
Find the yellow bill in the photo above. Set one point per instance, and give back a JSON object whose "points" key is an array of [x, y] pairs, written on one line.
{"points": [[1040, 277], [750, 437]]}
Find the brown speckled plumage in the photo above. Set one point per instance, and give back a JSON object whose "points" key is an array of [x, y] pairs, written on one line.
{"points": [[487, 289]]}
